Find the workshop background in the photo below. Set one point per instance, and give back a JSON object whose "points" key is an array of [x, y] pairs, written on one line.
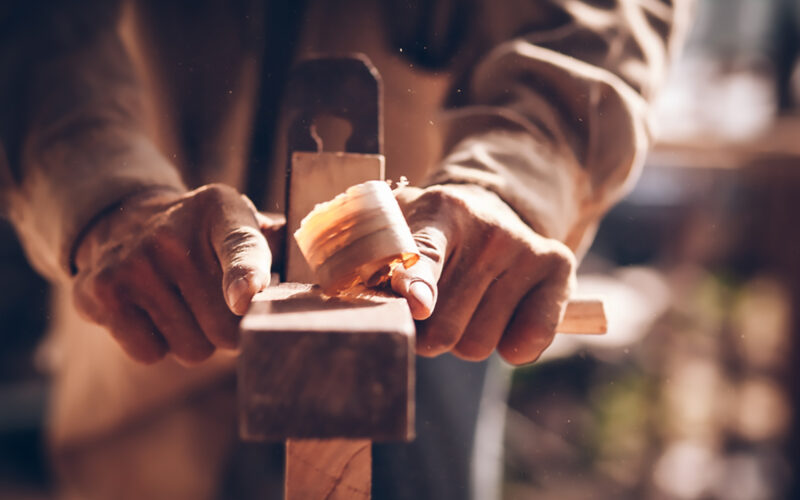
{"points": [[695, 391]]}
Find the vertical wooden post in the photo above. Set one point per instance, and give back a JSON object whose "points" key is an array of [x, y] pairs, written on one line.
{"points": [[317, 468], [333, 469]]}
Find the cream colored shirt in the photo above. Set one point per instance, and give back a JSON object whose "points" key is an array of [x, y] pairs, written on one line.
{"points": [[543, 102]]}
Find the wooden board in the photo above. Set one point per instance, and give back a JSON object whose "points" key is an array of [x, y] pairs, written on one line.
{"points": [[584, 317], [312, 366], [341, 469], [309, 365]]}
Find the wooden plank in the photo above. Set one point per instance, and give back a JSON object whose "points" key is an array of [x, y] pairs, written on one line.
{"points": [[342, 469], [315, 178], [584, 317], [346, 88]]}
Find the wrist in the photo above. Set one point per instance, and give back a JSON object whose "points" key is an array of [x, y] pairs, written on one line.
{"points": [[118, 219]]}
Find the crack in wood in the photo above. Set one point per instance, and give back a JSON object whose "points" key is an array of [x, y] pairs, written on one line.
{"points": [[338, 480]]}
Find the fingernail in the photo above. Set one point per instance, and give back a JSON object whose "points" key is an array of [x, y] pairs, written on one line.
{"points": [[423, 294], [238, 290]]}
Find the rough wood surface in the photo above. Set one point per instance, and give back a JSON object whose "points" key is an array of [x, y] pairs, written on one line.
{"points": [[341, 469]]}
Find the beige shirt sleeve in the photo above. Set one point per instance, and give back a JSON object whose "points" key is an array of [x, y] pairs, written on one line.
{"points": [[71, 126], [552, 113]]}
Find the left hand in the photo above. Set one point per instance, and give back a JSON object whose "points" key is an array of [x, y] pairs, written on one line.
{"points": [[170, 271], [485, 280]]}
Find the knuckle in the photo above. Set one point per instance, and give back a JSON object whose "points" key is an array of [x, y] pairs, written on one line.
{"points": [[149, 356], [528, 269], [526, 348], [140, 344], [515, 359], [241, 242], [429, 244], [561, 257], [128, 275], [559, 268], [227, 341], [430, 198], [541, 334], [440, 337], [149, 243], [222, 329], [493, 237], [562, 270], [166, 243], [215, 193], [496, 242], [553, 264], [134, 266], [160, 235], [472, 350], [243, 236], [193, 354], [106, 285]]}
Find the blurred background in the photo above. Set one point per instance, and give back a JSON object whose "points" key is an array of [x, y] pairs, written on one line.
{"points": [[695, 391], [693, 394]]}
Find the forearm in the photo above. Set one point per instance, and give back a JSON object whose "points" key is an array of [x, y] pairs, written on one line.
{"points": [[76, 133], [554, 118]]}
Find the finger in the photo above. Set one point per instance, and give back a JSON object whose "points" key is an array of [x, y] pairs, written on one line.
{"points": [[534, 322], [491, 317], [201, 291], [135, 333], [418, 284], [432, 232], [167, 310], [242, 252], [443, 330], [99, 299]]}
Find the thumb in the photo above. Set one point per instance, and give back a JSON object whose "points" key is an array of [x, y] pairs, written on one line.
{"points": [[243, 253], [418, 284]]}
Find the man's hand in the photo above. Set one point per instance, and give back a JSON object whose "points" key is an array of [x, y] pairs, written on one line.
{"points": [[494, 282], [169, 271]]}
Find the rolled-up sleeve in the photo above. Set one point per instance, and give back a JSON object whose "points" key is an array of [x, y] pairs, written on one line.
{"points": [[552, 113], [71, 125]]}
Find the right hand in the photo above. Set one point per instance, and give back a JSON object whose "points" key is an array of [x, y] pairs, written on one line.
{"points": [[504, 287], [168, 272]]}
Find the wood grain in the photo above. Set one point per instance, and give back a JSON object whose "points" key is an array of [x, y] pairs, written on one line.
{"points": [[584, 317], [313, 366], [334, 469], [327, 375]]}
